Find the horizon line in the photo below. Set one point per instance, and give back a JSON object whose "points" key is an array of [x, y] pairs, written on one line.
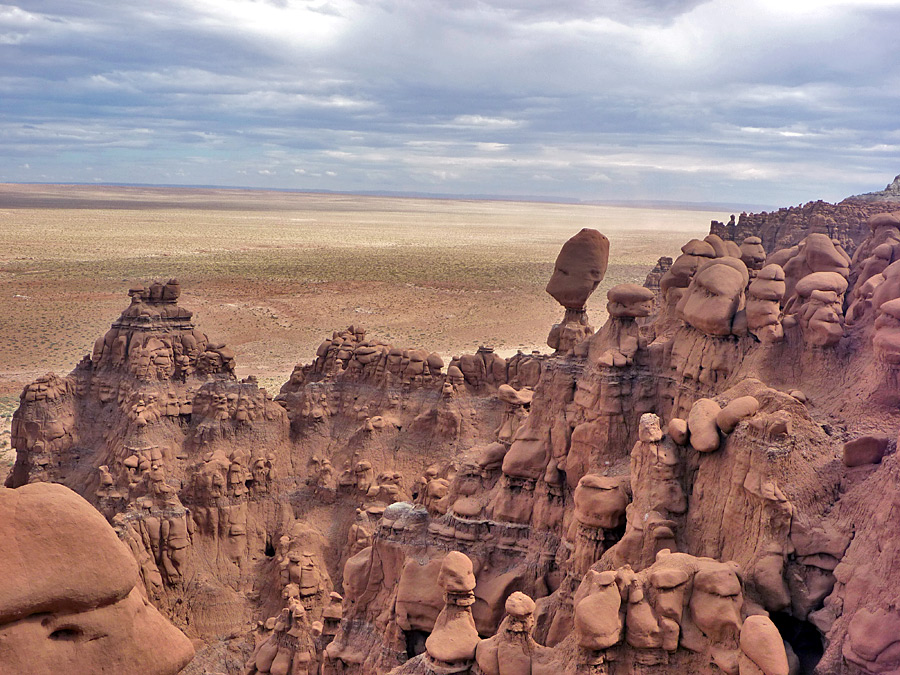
{"points": [[414, 194]]}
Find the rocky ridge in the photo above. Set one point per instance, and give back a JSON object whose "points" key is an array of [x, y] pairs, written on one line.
{"points": [[891, 193]]}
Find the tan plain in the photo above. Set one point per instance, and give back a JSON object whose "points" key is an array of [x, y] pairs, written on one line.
{"points": [[273, 273]]}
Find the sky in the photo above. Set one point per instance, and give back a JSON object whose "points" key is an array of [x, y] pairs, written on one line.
{"points": [[772, 102]]}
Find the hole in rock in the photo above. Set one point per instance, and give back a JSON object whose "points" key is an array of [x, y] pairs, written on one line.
{"points": [[415, 642], [270, 550], [69, 633], [804, 638]]}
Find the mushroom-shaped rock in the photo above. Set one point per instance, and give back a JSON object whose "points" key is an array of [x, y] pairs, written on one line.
{"points": [[435, 363], [529, 453], [715, 295], [764, 304], [629, 301], [679, 274], [519, 605], [580, 267], [822, 255], [456, 575], [880, 220], [722, 247], [699, 248], [704, 432], [512, 651], [455, 637], [598, 621], [753, 255], [765, 288], [600, 501], [821, 281], [820, 299], [761, 643]]}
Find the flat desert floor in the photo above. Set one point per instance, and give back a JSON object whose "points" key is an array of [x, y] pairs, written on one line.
{"points": [[274, 273]]}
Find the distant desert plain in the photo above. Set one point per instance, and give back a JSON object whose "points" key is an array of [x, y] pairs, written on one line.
{"points": [[272, 274]]}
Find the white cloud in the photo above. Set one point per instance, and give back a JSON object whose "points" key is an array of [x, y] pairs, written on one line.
{"points": [[492, 147], [484, 122], [647, 98]]}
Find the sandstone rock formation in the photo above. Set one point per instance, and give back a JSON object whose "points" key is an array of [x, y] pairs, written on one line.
{"points": [[891, 193], [71, 599], [707, 483], [786, 227], [580, 267]]}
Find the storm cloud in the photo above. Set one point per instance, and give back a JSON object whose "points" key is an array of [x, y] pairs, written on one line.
{"points": [[759, 101]]}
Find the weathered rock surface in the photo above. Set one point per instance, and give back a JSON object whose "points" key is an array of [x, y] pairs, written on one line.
{"points": [[71, 599], [891, 193], [786, 227], [579, 269], [705, 484]]}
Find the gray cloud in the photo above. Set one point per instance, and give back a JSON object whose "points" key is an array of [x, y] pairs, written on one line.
{"points": [[758, 101]]}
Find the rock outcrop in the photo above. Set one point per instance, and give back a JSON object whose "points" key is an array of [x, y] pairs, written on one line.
{"points": [[786, 227], [579, 269], [71, 599], [891, 193]]}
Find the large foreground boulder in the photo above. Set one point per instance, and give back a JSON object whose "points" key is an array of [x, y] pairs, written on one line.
{"points": [[70, 601]]}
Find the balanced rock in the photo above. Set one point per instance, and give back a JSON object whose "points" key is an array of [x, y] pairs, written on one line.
{"points": [[579, 269], [629, 301]]}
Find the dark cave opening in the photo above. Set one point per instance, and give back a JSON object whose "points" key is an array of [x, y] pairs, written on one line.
{"points": [[804, 638], [270, 549], [415, 642]]}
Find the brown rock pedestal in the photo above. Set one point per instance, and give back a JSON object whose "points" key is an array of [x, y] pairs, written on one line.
{"points": [[450, 649], [579, 269]]}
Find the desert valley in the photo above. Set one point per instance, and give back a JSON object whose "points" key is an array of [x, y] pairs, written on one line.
{"points": [[271, 273]]}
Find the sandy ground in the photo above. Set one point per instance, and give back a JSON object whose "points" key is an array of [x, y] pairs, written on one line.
{"points": [[273, 274]]}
